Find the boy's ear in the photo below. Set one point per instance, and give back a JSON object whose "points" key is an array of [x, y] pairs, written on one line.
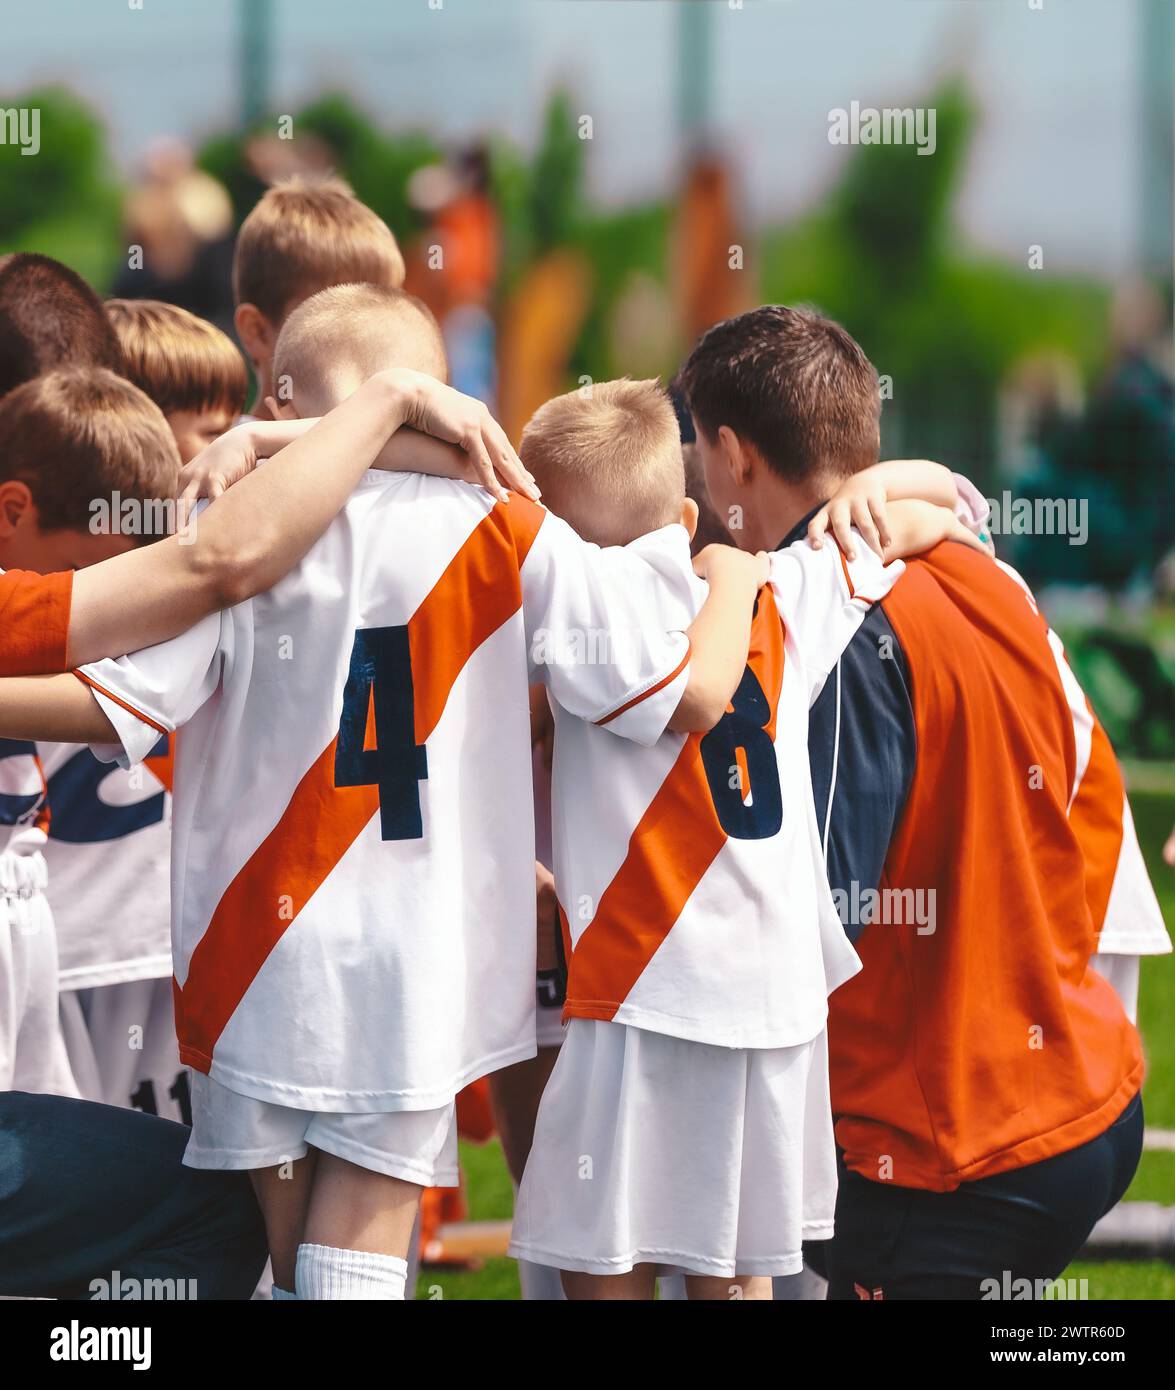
{"points": [[16, 505], [255, 331], [736, 455], [689, 516]]}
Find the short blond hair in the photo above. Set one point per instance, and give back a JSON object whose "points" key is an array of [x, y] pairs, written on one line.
{"points": [[608, 459], [306, 234], [80, 435], [350, 332], [182, 362]]}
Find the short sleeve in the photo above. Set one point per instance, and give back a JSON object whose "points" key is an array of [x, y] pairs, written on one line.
{"points": [[823, 599], [600, 628], [34, 620], [155, 690], [971, 507]]}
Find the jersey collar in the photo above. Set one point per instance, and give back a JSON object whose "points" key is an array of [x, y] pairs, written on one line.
{"points": [[797, 531]]}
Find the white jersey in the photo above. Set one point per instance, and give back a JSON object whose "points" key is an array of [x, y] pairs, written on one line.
{"points": [[109, 858], [1122, 901], [690, 874], [352, 859]]}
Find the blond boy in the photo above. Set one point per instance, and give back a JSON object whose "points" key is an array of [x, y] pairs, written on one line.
{"points": [[303, 236], [191, 370]]}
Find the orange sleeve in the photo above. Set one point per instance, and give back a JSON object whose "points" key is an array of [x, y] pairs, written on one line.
{"points": [[34, 622]]}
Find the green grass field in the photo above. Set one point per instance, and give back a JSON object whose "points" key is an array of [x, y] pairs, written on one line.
{"points": [[490, 1196]]}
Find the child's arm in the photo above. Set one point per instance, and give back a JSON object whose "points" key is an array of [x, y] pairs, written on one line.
{"points": [[237, 453], [916, 526], [260, 529], [861, 500], [57, 709], [720, 635]]}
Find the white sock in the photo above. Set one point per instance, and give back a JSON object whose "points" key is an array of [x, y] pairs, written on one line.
{"points": [[413, 1274], [278, 1294], [322, 1272]]}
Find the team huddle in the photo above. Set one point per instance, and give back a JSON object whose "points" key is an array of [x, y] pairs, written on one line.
{"points": [[786, 891]]}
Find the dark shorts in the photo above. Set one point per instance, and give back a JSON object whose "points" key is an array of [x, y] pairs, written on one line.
{"points": [[92, 1196], [901, 1242]]}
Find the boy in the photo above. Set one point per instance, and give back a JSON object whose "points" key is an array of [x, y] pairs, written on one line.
{"points": [[303, 236], [346, 933], [65, 439], [109, 844], [187, 366], [985, 1080], [693, 989]]}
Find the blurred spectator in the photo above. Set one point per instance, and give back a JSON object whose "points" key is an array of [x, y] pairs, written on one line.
{"points": [[182, 219], [1119, 458], [459, 283]]}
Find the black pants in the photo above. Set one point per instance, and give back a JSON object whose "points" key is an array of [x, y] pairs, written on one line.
{"points": [[902, 1242], [87, 1190]]}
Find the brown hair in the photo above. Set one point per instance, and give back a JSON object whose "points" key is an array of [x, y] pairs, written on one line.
{"points": [[77, 436], [305, 234], [608, 459], [792, 383], [49, 317], [182, 362], [359, 329]]}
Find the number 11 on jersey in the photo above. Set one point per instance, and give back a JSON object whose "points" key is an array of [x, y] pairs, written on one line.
{"points": [[377, 744]]}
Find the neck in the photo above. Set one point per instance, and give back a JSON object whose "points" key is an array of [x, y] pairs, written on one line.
{"points": [[264, 388], [774, 507]]}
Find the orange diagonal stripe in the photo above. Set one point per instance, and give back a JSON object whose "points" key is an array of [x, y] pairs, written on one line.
{"points": [[675, 842]]}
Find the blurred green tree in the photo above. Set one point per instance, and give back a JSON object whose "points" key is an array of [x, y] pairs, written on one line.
{"points": [[884, 255], [63, 201]]}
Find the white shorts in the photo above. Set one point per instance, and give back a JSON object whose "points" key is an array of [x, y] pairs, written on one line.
{"points": [[234, 1131], [122, 1047], [32, 1051], [653, 1150]]}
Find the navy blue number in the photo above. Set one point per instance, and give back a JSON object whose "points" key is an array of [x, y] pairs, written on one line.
{"points": [[744, 726], [16, 807], [380, 677], [81, 817], [143, 1098]]}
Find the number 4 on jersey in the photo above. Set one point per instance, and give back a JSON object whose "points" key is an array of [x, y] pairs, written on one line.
{"points": [[377, 733]]}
